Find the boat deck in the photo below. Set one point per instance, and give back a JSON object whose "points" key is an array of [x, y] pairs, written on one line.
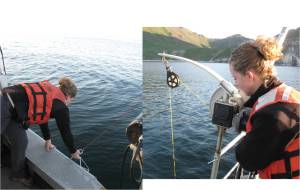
{"points": [[6, 183]]}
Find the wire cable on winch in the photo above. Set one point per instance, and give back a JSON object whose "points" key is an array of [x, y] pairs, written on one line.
{"points": [[172, 134], [173, 81]]}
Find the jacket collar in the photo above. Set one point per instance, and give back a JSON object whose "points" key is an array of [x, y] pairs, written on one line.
{"points": [[274, 82]]}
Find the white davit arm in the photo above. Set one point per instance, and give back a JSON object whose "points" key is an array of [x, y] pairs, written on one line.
{"points": [[282, 35], [228, 87]]}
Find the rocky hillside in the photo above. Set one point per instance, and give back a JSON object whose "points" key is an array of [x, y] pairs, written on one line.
{"points": [[291, 48], [183, 42]]}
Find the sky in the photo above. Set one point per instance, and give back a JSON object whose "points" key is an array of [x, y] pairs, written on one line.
{"points": [[120, 19]]}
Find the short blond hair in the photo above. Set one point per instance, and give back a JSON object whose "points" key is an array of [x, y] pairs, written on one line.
{"points": [[258, 55], [67, 86]]}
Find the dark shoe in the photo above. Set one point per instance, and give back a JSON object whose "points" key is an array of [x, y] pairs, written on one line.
{"points": [[24, 181]]}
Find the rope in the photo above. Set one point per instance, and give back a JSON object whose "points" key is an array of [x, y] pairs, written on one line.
{"points": [[114, 120], [168, 68], [81, 162], [188, 88], [94, 140], [172, 134], [171, 109], [86, 167]]}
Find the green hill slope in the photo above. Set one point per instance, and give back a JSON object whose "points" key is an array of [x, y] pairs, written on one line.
{"points": [[183, 42]]}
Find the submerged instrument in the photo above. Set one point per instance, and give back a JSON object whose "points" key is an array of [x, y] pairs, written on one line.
{"points": [[134, 133]]}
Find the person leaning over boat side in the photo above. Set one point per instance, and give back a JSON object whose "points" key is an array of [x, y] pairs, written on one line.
{"points": [[35, 103], [271, 145]]}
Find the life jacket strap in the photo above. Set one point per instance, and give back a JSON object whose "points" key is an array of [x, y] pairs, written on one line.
{"points": [[289, 174], [34, 94]]}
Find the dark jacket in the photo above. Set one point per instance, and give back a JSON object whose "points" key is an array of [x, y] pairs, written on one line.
{"points": [[266, 141], [60, 112]]}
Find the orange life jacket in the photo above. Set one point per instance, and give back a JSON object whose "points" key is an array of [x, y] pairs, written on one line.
{"points": [[40, 97], [288, 166]]}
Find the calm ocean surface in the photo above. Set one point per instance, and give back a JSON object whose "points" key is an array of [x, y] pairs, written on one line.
{"points": [[112, 87], [195, 136], [108, 75]]}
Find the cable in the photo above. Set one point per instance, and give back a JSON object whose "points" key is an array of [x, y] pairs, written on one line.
{"points": [[172, 134], [94, 140], [3, 61], [114, 120], [174, 84], [86, 167], [188, 88]]}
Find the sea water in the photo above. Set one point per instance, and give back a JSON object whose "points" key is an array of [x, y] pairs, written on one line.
{"points": [[108, 75]]}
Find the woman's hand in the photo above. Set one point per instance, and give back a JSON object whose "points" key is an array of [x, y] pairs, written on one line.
{"points": [[48, 145], [76, 155]]}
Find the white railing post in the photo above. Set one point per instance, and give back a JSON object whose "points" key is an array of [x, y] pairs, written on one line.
{"points": [[217, 156]]}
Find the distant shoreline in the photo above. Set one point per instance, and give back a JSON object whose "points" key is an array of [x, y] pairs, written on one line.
{"points": [[150, 60], [173, 60]]}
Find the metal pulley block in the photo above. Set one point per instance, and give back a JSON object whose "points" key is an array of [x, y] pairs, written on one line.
{"points": [[172, 79]]}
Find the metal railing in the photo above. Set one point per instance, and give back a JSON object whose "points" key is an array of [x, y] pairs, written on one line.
{"points": [[220, 152]]}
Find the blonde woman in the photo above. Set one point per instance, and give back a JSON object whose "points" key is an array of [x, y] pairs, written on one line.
{"points": [[271, 145], [29, 104]]}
